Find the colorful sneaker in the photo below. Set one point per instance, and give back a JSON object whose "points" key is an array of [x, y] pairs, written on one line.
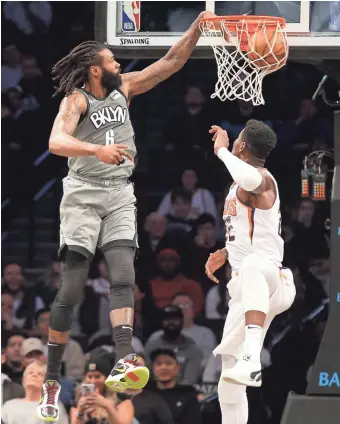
{"points": [[126, 375], [48, 409]]}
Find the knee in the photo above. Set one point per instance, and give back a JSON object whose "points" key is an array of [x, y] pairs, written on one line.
{"points": [[120, 263], [75, 268], [251, 262]]}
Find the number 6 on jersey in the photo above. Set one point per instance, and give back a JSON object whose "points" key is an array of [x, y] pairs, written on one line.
{"points": [[109, 137]]}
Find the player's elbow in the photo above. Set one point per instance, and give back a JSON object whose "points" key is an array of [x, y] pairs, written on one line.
{"points": [[53, 145]]}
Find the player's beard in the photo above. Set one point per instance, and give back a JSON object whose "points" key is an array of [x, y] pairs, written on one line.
{"points": [[110, 81]]}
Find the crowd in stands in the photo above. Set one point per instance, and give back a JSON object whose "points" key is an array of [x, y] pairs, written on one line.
{"points": [[179, 312]]}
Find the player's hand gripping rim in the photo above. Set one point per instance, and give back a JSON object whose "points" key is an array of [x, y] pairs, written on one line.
{"points": [[214, 262]]}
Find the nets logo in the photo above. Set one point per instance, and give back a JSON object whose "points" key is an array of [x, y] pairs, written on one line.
{"points": [[131, 16], [329, 380]]}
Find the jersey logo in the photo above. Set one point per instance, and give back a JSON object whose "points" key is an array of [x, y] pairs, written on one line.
{"points": [[108, 114], [115, 95], [230, 207]]}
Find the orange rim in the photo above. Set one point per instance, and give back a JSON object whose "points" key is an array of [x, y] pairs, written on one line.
{"points": [[253, 21]]}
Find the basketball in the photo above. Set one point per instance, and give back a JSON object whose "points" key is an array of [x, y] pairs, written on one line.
{"points": [[268, 49]]}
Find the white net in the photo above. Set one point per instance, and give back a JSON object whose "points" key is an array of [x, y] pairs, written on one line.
{"points": [[255, 49]]}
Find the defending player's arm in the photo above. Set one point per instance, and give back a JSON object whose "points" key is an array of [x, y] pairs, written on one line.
{"points": [[62, 143], [172, 62], [214, 262], [246, 176]]}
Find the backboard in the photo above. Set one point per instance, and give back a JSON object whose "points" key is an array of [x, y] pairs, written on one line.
{"points": [[146, 29]]}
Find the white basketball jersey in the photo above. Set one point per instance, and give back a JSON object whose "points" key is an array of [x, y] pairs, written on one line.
{"points": [[251, 230]]}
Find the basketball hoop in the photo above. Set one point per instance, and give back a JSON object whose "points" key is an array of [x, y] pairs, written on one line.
{"points": [[258, 47]]}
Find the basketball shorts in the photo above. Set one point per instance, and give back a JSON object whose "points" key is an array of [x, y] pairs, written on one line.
{"points": [[282, 294], [93, 214]]}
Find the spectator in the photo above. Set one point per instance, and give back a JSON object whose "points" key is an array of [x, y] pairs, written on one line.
{"points": [[155, 238], [202, 336], [73, 355], [300, 133], [101, 285], [187, 130], [26, 303], [205, 243], [35, 87], [32, 350], [150, 408], [25, 122], [8, 321], [170, 281], [18, 411], [181, 399], [11, 71], [202, 200], [179, 219], [48, 283], [91, 315], [13, 367], [189, 355], [103, 405], [9, 389]]}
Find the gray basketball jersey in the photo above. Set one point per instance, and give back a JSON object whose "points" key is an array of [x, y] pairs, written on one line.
{"points": [[107, 121]]}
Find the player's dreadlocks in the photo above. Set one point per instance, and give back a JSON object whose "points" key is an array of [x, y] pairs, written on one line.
{"points": [[71, 71]]}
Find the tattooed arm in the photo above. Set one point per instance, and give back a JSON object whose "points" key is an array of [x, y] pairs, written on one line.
{"points": [[61, 141], [139, 82]]}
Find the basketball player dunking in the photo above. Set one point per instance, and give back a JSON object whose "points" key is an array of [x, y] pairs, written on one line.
{"points": [[93, 129], [260, 288]]}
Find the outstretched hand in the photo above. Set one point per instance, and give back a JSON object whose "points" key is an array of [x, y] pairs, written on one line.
{"points": [[220, 137], [214, 262]]}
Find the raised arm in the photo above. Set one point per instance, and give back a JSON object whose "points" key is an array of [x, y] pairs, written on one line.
{"points": [[61, 141], [172, 62]]}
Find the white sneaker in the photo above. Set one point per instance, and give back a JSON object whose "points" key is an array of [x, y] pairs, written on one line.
{"points": [[244, 372]]}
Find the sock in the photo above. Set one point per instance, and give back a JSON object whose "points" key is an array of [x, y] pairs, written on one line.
{"points": [[252, 342], [123, 338], [54, 363]]}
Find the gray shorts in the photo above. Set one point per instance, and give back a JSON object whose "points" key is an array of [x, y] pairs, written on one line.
{"points": [[94, 214]]}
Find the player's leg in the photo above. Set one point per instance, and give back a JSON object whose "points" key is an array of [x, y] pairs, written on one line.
{"points": [[232, 397], [80, 228], [118, 242], [260, 280]]}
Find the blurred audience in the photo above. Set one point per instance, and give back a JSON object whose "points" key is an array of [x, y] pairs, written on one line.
{"points": [[181, 398], [170, 281], [189, 355], [150, 408], [100, 405], [13, 366], [202, 200], [73, 355], [26, 302], [18, 411]]}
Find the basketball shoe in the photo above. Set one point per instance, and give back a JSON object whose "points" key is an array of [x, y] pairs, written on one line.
{"points": [[48, 409], [127, 375], [245, 372]]}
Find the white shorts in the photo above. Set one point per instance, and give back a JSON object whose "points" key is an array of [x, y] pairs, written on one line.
{"points": [[282, 295]]}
